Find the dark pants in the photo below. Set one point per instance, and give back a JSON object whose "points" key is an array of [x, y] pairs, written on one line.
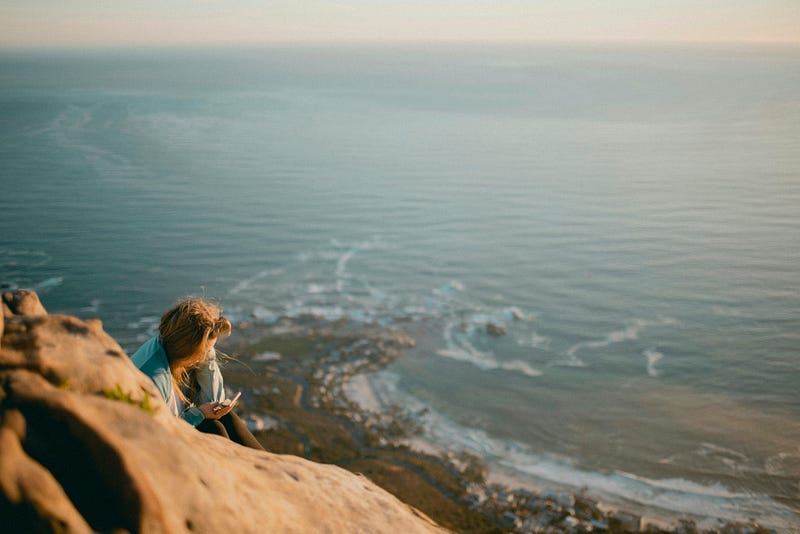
{"points": [[231, 427]]}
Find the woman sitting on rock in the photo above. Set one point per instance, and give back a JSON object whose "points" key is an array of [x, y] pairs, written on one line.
{"points": [[181, 362]]}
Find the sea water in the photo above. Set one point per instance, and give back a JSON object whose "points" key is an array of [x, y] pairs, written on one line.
{"points": [[631, 216]]}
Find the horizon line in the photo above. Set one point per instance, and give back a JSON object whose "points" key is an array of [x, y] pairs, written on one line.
{"points": [[387, 42]]}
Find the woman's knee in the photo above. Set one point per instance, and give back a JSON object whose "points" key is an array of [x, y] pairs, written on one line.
{"points": [[239, 432], [213, 426]]}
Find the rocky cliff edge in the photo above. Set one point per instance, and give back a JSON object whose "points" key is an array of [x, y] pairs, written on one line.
{"points": [[86, 444]]}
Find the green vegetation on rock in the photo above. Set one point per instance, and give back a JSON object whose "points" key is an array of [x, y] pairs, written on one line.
{"points": [[117, 394]]}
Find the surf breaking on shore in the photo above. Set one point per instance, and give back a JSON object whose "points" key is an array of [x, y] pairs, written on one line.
{"points": [[515, 465]]}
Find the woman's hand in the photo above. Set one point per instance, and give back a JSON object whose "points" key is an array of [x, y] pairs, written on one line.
{"points": [[214, 410]]}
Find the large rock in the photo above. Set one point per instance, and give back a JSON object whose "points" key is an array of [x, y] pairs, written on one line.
{"points": [[22, 302], [86, 444], [496, 330]]}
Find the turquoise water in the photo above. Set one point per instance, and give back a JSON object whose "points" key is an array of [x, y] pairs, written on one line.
{"points": [[629, 214]]}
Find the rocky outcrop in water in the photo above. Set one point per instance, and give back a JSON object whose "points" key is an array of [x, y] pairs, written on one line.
{"points": [[86, 444]]}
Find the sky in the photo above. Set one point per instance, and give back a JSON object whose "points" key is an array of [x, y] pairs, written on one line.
{"points": [[32, 23]]}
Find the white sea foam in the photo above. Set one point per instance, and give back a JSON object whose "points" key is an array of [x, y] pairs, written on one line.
{"points": [[628, 333], [653, 357], [458, 285], [264, 315], [782, 462], [673, 497], [571, 362], [713, 501], [246, 284], [477, 319], [147, 327], [344, 258], [49, 283], [315, 289], [267, 357], [93, 306], [533, 340], [330, 313], [341, 269], [515, 313], [522, 367], [733, 461], [260, 422], [449, 289], [712, 449], [144, 322], [459, 348]]}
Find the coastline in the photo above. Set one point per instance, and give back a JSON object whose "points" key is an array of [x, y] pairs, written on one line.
{"points": [[322, 375], [606, 491]]}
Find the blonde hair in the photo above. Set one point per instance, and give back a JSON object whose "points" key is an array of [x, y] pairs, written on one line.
{"points": [[185, 332]]}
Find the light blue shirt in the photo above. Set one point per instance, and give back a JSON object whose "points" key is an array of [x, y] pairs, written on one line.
{"points": [[152, 360]]}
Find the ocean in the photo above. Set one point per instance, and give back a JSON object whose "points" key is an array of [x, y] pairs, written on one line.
{"points": [[627, 217]]}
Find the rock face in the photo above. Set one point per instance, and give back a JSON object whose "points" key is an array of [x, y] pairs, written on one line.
{"points": [[496, 330], [22, 302], [86, 444]]}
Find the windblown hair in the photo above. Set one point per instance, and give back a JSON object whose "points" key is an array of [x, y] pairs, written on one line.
{"points": [[185, 332]]}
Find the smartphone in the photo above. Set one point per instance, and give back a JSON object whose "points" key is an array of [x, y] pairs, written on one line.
{"points": [[229, 402]]}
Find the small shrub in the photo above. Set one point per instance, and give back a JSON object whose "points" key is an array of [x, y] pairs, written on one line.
{"points": [[119, 395]]}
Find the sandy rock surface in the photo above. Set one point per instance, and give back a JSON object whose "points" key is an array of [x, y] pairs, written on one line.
{"points": [[86, 444]]}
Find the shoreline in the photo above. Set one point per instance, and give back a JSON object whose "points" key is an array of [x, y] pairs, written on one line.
{"points": [[363, 389], [329, 365]]}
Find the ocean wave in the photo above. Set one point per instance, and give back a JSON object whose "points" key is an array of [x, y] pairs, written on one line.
{"points": [[712, 449], [671, 496], [521, 366], [488, 363], [12, 258], [341, 269], [329, 313], [374, 243], [267, 357], [93, 307], [264, 315], [452, 286], [653, 357], [459, 348], [783, 462], [628, 333], [262, 422], [333, 313], [49, 283], [248, 283], [316, 289], [21, 280], [518, 314], [533, 340], [342, 253], [714, 502], [146, 327]]}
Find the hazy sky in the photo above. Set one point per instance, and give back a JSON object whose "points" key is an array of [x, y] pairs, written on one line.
{"points": [[119, 22]]}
